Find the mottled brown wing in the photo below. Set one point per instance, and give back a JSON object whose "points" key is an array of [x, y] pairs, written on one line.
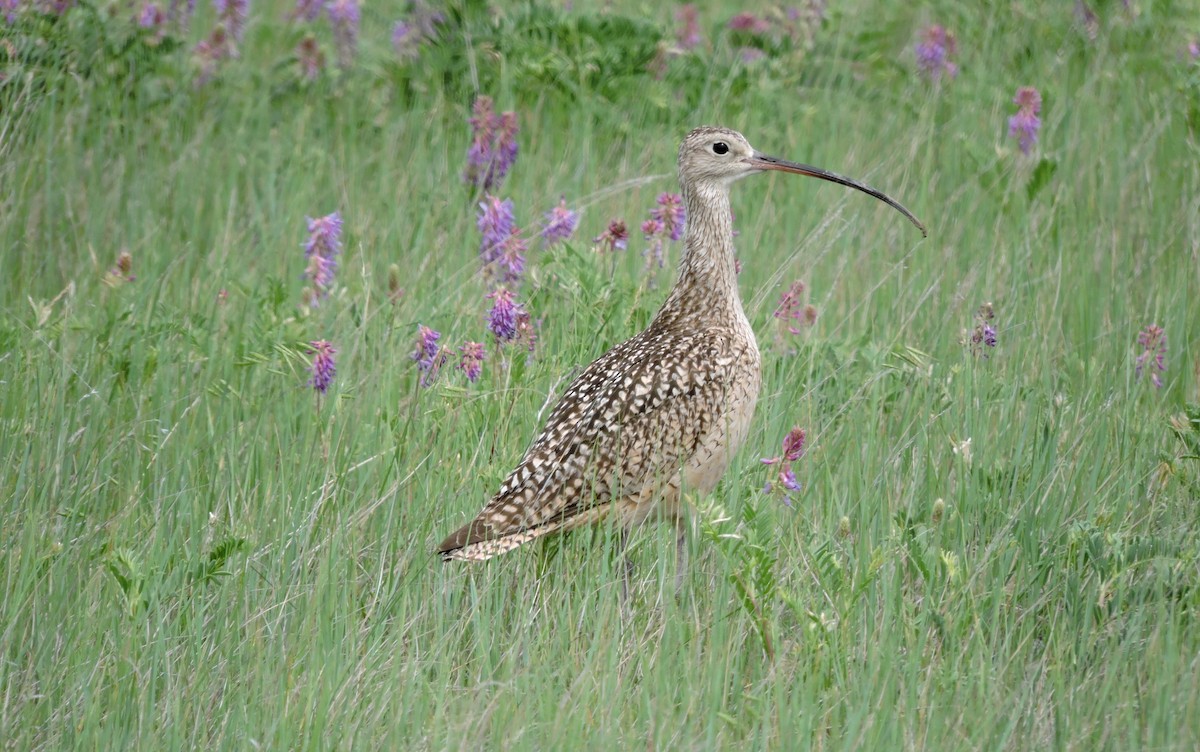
{"points": [[633, 416]]}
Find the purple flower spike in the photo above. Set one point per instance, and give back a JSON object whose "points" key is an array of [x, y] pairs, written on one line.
{"points": [[504, 315], [510, 262], [152, 16], [614, 238], [793, 444], [501, 248], [406, 40], [934, 51], [344, 16], [493, 148], [671, 214], [1024, 126], [791, 312], [688, 35], [750, 23], [429, 355], [506, 144], [984, 334], [324, 367], [233, 14], [324, 243], [1153, 341], [308, 10], [471, 362], [793, 450], [495, 223], [324, 235], [560, 224]]}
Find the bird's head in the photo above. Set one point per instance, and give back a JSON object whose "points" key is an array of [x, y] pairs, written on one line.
{"points": [[720, 156]]}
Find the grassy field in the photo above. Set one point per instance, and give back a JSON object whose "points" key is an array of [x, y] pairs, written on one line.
{"points": [[994, 547]]}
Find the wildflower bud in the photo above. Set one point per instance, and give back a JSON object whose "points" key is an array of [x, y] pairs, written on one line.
{"points": [[125, 263], [939, 511], [844, 527]]}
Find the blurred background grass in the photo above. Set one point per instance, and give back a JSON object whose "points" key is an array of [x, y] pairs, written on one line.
{"points": [[987, 552]]}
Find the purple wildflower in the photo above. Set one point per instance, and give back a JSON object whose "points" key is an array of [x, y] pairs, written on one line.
{"points": [[232, 15], [429, 355], [792, 314], [504, 314], [802, 23], [210, 51], [688, 34], [527, 331], [1193, 48], [406, 40], [1153, 341], [671, 213], [510, 262], [793, 450], [666, 221], [57, 7], [152, 16], [323, 245], [1026, 123], [787, 479], [308, 10], [501, 247], [934, 51], [750, 54], [471, 361], [614, 238], [495, 223], [10, 8], [344, 16], [310, 57], [984, 334], [122, 272], [320, 272], [506, 143], [182, 15], [653, 231], [750, 23], [324, 366], [560, 224], [324, 235], [493, 147], [793, 444], [651, 228]]}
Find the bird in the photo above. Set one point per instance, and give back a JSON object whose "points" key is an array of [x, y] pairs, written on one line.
{"points": [[663, 412]]}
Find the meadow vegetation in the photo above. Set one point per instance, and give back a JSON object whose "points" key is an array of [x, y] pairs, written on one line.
{"points": [[230, 449]]}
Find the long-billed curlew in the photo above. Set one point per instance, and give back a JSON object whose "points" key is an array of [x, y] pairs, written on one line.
{"points": [[664, 410]]}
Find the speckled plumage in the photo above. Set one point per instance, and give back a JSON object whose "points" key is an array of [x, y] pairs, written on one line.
{"points": [[663, 411]]}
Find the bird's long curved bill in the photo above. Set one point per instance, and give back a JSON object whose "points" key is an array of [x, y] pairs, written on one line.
{"points": [[763, 162]]}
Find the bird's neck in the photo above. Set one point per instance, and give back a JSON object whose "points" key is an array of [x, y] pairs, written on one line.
{"points": [[707, 274]]}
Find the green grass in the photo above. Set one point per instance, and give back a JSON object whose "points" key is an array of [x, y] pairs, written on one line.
{"points": [[198, 553]]}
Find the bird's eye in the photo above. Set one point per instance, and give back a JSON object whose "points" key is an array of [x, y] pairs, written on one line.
{"points": [[720, 147]]}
